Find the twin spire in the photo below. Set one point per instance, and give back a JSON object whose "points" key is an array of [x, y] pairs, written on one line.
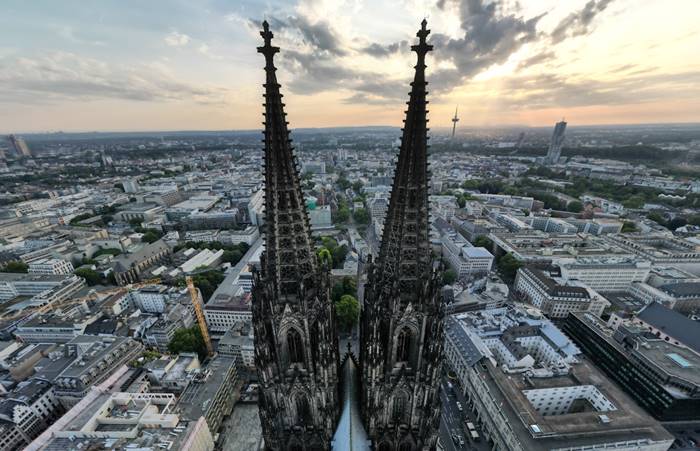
{"points": [[404, 260], [290, 260]]}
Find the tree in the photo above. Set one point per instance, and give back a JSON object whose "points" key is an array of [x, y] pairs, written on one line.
{"points": [[150, 237], [628, 227], [574, 207], [135, 222], [91, 276], [676, 222], [347, 310], [341, 215], [325, 256], [657, 218], [357, 186], [348, 286], [483, 241], [449, 277], [188, 340], [343, 183], [232, 256], [16, 266], [361, 216], [508, 266], [208, 282]]}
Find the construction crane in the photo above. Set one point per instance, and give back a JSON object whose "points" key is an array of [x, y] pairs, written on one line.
{"points": [[199, 313]]}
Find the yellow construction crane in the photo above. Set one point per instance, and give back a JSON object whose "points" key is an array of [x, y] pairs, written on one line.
{"points": [[199, 313]]}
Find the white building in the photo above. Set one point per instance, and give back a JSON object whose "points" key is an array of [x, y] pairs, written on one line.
{"points": [[525, 382], [465, 259], [605, 274], [54, 266], [205, 257], [556, 298], [320, 217], [150, 299]]}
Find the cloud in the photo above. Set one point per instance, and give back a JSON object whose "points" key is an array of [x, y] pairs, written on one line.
{"points": [[61, 76], [490, 35], [205, 50], [379, 50], [537, 58], [552, 90], [176, 39], [319, 35], [578, 23]]}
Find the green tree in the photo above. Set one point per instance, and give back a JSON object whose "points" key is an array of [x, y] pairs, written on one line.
{"points": [[16, 266], [232, 256], [347, 286], [357, 186], [341, 215], [208, 282], [508, 266], [628, 227], [361, 216], [574, 207], [657, 218], [676, 222], [483, 241], [343, 183], [188, 340], [347, 310], [324, 255], [91, 276], [449, 277]]}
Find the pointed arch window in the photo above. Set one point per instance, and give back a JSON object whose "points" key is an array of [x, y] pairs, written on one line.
{"points": [[399, 408], [405, 447], [295, 345], [403, 345], [303, 409]]}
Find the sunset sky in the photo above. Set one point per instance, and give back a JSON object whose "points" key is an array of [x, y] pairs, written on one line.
{"points": [[76, 65]]}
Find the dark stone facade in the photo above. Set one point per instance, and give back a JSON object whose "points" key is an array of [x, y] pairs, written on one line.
{"points": [[401, 326], [296, 345]]}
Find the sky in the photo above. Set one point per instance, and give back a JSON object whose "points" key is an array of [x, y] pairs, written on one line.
{"points": [[133, 65]]}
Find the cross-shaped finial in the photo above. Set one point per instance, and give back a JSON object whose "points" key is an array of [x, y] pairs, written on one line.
{"points": [[422, 47], [268, 50]]}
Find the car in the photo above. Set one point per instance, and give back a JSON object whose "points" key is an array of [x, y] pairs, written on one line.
{"points": [[459, 406]]}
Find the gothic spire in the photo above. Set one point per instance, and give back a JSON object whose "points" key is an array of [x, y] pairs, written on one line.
{"points": [[289, 262], [404, 255]]}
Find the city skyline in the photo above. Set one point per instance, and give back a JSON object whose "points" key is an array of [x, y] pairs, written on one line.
{"points": [[181, 67]]}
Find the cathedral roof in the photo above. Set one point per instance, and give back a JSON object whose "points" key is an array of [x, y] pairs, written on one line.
{"points": [[350, 435]]}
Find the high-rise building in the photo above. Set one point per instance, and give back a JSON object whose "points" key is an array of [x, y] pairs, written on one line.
{"points": [[555, 145], [19, 146], [296, 341], [401, 321]]}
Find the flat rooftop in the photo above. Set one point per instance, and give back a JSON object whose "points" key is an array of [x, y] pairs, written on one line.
{"points": [[627, 422]]}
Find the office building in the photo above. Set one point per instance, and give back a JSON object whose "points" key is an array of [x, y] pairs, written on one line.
{"points": [[555, 145], [50, 266], [533, 390], [555, 297], [605, 274], [654, 357]]}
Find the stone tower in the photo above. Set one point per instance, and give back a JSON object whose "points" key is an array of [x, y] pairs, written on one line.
{"points": [[401, 324], [296, 346]]}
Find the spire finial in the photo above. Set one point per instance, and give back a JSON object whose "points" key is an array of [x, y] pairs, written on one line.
{"points": [[422, 47], [268, 49]]}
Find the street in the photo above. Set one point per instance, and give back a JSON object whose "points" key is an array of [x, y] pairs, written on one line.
{"points": [[453, 422]]}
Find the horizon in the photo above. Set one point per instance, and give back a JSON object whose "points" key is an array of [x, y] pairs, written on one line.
{"points": [[176, 66], [350, 127]]}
